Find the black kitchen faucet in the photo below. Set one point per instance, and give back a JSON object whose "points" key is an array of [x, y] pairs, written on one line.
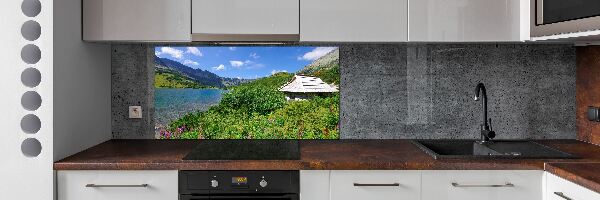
{"points": [[486, 129]]}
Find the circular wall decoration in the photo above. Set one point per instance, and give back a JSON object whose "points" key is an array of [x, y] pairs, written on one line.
{"points": [[31, 147], [31, 30], [31, 8], [31, 100], [30, 124], [31, 54], [31, 77]]}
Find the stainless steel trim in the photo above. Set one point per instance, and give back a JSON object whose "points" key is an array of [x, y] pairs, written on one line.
{"points": [[251, 43], [115, 186], [376, 184], [560, 194], [209, 37], [491, 185], [539, 12]]}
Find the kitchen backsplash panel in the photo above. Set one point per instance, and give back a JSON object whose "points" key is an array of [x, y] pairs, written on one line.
{"points": [[410, 90]]}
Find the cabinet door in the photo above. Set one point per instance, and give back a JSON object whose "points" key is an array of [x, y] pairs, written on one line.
{"points": [[375, 185], [136, 20], [353, 20], [560, 189], [482, 184], [468, 20], [117, 185], [314, 185], [269, 19]]}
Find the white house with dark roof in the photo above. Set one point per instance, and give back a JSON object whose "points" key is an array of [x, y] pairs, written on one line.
{"points": [[305, 87]]}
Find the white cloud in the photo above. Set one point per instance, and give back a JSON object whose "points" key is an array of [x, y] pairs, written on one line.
{"points": [[254, 55], [157, 53], [190, 62], [316, 53], [220, 67], [232, 48], [248, 63], [236, 63], [175, 53], [194, 51], [253, 65], [277, 71]]}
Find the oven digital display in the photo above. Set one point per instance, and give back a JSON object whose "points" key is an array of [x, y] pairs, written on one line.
{"points": [[239, 180]]}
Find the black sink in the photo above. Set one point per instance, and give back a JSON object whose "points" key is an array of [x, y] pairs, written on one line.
{"points": [[495, 149]]}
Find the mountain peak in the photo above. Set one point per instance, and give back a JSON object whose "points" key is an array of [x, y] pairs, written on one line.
{"points": [[328, 59], [199, 76]]}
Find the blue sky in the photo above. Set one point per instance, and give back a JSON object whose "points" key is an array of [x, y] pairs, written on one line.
{"points": [[244, 62]]}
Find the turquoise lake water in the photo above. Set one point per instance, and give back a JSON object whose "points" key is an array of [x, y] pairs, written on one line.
{"points": [[170, 104]]}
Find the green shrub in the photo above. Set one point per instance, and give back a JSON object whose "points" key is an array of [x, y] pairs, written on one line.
{"points": [[255, 99], [257, 110]]}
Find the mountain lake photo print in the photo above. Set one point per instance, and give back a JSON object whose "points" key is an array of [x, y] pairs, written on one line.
{"points": [[246, 92]]}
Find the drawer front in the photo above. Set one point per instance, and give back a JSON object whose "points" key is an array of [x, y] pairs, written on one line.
{"points": [[375, 185], [560, 189], [116, 185], [482, 184]]}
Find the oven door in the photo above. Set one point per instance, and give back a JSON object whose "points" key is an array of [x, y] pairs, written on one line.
{"points": [[552, 17], [240, 197]]}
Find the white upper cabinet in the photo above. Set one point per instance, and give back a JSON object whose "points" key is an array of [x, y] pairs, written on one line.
{"points": [[307, 20], [353, 21], [468, 20], [245, 20], [136, 20]]}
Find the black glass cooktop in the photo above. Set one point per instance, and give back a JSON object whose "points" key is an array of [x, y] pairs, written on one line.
{"points": [[245, 150]]}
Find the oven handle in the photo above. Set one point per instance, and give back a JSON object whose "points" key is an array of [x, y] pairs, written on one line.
{"points": [[249, 196]]}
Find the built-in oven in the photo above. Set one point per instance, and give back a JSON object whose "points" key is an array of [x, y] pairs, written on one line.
{"points": [[238, 185], [552, 17]]}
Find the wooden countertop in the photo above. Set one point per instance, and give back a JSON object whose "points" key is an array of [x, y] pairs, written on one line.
{"points": [[315, 154]]}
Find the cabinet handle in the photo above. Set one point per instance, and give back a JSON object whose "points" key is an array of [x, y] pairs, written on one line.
{"points": [[492, 185], [376, 184], [115, 186], [560, 194]]}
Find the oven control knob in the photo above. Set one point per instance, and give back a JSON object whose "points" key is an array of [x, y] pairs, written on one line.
{"points": [[263, 183], [214, 183]]}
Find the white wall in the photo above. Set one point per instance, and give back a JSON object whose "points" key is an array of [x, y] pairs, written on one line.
{"points": [[82, 89], [24, 177], [75, 82]]}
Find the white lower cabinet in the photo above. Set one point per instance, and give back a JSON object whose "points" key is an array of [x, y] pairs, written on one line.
{"points": [[117, 185], [560, 189], [482, 185], [421, 185], [314, 184], [341, 185], [375, 185]]}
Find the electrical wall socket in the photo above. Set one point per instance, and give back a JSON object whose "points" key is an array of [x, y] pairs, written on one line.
{"points": [[593, 114], [135, 112]]}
